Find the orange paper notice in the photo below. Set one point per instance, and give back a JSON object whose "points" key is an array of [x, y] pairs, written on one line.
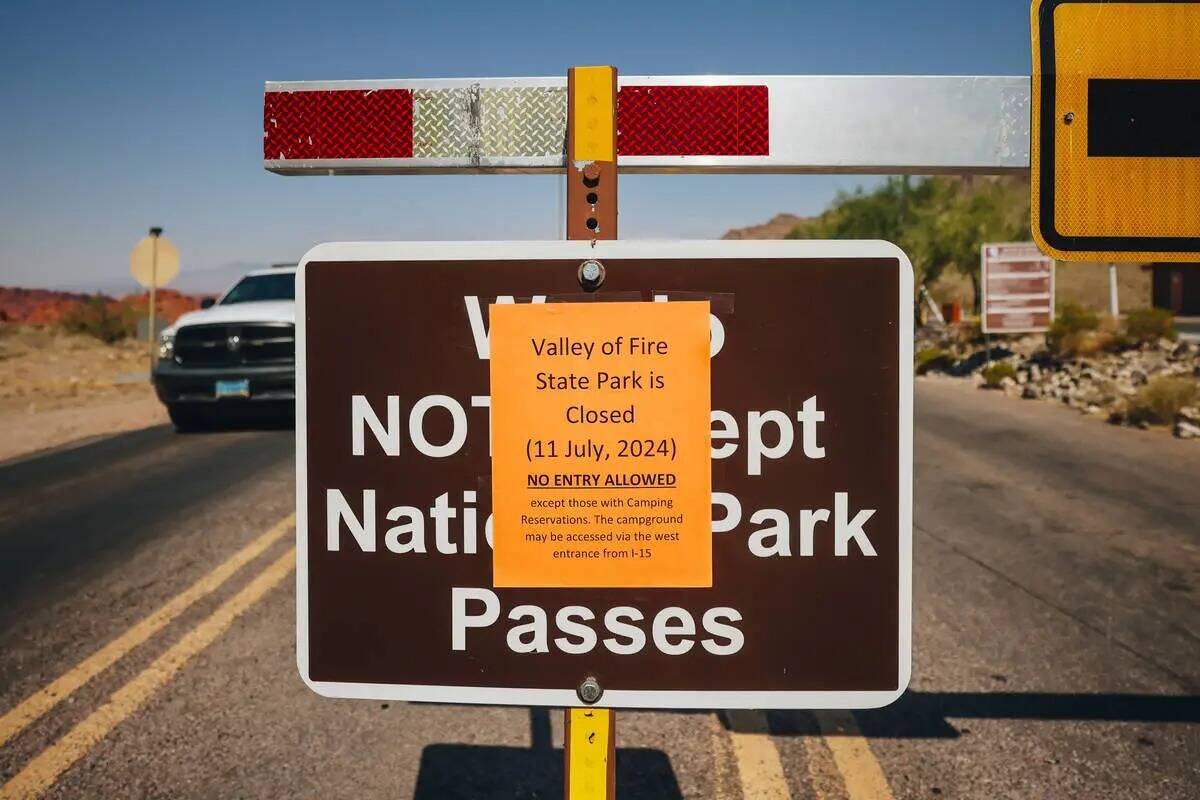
{"points": [[601, 471]]}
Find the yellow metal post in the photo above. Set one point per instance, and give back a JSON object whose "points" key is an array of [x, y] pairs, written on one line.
{"points": [[590, 746], [589, 741]]}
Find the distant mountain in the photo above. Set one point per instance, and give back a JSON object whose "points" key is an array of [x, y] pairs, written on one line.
{"points": [[778, 227]]}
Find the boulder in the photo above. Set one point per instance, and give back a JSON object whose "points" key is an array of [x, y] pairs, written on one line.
{"points": [[1186, 430]]}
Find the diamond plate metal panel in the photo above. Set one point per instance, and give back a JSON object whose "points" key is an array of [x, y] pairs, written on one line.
{"points": [[445, 123], [338, 124], [693, 121], [524, 121]]}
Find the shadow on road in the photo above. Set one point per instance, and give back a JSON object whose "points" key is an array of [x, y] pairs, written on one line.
{"points": [[478, 771], [925, 715], [70, 514], [239, 416]]}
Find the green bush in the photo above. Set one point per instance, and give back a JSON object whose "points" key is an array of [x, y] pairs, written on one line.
{"points": [[94, 317], [932, 358], [1160, 400], [1071, 332], [995, 373], [1149, 325]]}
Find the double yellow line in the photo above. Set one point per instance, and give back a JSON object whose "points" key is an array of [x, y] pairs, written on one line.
{"points": [[760, 768], [40, 773]]}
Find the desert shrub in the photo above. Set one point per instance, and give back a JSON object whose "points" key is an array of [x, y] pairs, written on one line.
{"points": [[94, 317], [1160, 400], [932, 358], [1149, 325], [1111, 336], [995, 373], [1073, 331]]}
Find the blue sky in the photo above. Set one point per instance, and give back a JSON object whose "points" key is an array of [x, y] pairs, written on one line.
{"points": [[115, 116]]}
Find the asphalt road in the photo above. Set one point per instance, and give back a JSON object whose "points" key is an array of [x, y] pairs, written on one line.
{"points": [[146, 638]]}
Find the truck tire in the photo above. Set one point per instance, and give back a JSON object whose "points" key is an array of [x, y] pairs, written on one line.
{"points": [[188, 417]]}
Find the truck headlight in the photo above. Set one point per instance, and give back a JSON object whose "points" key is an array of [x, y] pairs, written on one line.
{"points": [[166, 345]]}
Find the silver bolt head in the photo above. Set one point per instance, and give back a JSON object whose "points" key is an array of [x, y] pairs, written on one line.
{"points": [[589, 691], [591, 270]]}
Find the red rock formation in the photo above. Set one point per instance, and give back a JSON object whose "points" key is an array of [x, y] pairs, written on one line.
{"points": [[778, 227], [46, 306]]}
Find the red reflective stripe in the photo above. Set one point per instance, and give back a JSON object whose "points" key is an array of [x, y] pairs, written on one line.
{"points": [[693, 121], [344, 123]]}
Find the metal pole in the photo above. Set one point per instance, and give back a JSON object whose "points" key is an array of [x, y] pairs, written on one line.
{"points": [[154, 234], [589, 739], [1114, 308]]}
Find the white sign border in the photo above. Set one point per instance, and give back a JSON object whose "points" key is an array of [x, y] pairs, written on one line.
{"points": [[547, 250]]}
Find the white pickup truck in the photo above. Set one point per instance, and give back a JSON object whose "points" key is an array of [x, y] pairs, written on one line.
{"points": [[238, 349]]}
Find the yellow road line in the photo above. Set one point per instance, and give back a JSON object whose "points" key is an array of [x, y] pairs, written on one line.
{"points": [[852, 754], [40, 773], [33, 707], [760, 769]]}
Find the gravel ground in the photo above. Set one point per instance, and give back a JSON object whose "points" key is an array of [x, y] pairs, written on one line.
{"points": [[56, 389]]}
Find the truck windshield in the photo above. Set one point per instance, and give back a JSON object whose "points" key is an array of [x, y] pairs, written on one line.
{"points": [[254, 288]]}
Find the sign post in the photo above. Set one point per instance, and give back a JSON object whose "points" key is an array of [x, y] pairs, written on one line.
{"points": [[154, 262], [589, 761], [1114, 305]]}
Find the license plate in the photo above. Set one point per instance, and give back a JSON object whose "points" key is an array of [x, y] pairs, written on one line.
{"points": [[233, 388]]}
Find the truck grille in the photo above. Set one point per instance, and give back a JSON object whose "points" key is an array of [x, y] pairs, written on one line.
{"points": [[235, 345]]}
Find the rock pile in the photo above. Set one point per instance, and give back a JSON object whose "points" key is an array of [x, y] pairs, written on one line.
{"points": [[1108, 384]]}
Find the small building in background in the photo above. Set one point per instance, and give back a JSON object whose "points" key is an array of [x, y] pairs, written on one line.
{"points": [[1176, 287]]}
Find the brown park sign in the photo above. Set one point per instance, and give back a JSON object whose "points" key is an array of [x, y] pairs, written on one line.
{"points": [[809, 439]]}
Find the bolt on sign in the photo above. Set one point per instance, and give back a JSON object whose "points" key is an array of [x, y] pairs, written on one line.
{"points": [[1018, 288], [1115, 148], [762, 387]]}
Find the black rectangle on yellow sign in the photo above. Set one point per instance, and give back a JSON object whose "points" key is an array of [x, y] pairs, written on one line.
{"points": [[1143, 117]]}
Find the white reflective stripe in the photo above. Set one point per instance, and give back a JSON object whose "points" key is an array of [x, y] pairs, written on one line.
{"points": [[996, 298], [1032, 258]]}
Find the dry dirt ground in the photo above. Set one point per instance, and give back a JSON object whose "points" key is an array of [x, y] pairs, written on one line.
{"points": [[57, 388]]}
